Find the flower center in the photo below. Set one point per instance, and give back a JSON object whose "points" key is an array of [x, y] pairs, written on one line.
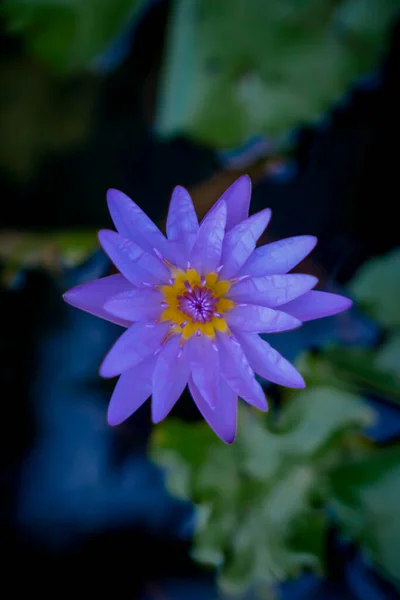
{"points": [[196, 304]]}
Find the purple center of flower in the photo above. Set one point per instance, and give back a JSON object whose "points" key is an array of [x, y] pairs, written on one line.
{"points": [[198, 303]]}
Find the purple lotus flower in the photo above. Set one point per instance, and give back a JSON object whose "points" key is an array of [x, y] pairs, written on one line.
{"points": [[194, 303]]}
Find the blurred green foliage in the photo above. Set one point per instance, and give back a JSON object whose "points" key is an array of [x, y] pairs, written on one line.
{"points": [[377, 288], [356, 369], [41, 116], [366, 496], [48, 250], [68, 34], [261, 516], [238, 68], [232, 68], [262, 502]]}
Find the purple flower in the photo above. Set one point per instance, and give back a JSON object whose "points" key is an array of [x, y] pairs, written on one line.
{"points": [[194, 303]]}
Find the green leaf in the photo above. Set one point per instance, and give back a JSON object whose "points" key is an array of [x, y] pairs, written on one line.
{"points": [[189, 442], [238, 68], [377, 287], [215, 527], [364, 20], [366, 496], [388, 357], [258, 500], [357, 369], [68, 34], [47, 250], [316, 415]]}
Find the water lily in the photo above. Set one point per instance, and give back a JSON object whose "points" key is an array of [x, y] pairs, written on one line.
{"points": [[194, 303]]}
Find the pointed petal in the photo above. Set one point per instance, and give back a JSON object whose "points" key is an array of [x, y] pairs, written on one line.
{"points": [[236, 371], [92, 296], [134, 263], [132, 390], [268, 363], [272, 290], [182, 222], [278, 257], [169, 378], [240, 242], [315, 305], [135, 344], [237, 199], [132, 223], [136, 305], [206, 253], [204, 366], [223, 418], [259, 319], [178, 255]]}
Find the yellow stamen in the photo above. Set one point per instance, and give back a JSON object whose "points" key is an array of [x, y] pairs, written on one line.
{"points": [[178, 288], [220, 325], [224, 304]]}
